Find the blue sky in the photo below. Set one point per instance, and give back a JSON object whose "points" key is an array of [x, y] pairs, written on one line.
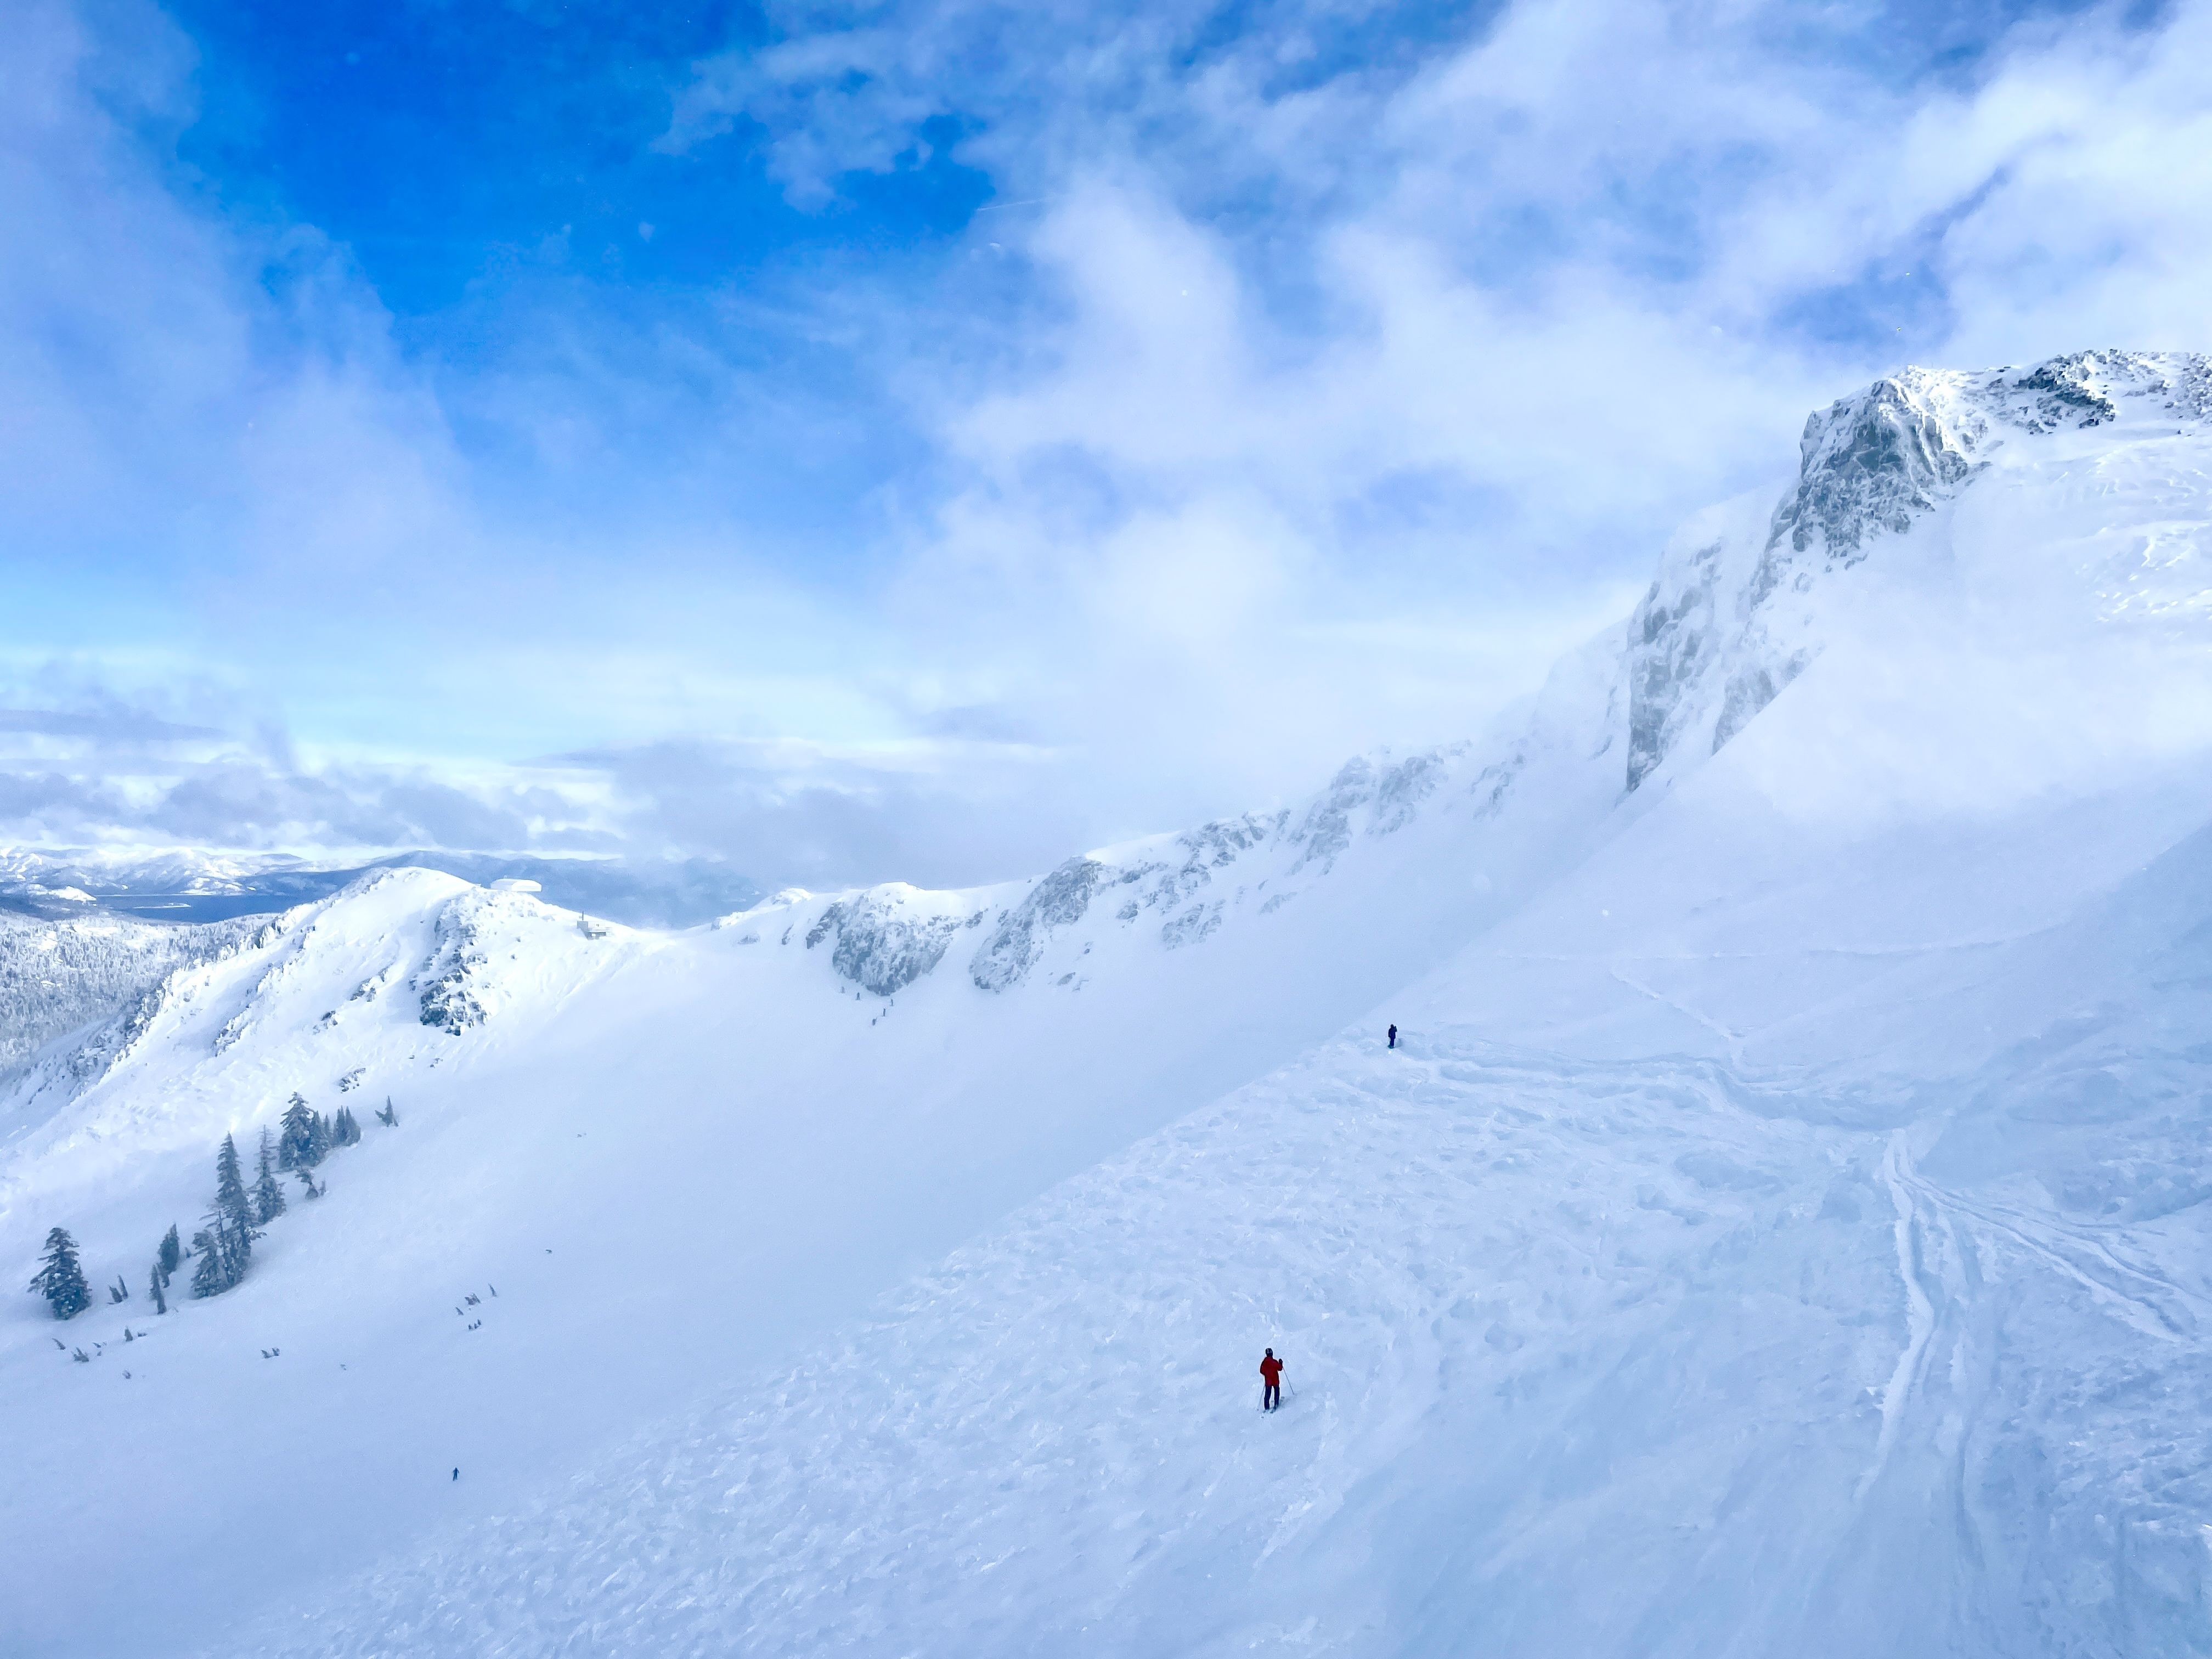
{"points": [[918, 439]]}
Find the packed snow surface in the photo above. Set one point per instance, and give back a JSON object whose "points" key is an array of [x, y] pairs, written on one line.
{"points": [[1782, 1229]]}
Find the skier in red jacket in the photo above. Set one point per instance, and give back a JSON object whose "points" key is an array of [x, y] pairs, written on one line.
{"points": [[1271, 1373]]}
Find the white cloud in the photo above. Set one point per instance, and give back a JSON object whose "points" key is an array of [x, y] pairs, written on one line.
{"points": [[1287, 404]]}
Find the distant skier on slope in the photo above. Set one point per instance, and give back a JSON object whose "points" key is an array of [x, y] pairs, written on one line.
{"points": [[1271, 1374], [1393, 1036]]}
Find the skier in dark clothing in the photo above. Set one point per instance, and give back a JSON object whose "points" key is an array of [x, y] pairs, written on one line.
{"points": [[1271, 1374], [1393, 1036]]}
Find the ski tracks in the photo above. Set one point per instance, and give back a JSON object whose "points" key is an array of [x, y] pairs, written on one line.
{"points": [[1920, 1306]]}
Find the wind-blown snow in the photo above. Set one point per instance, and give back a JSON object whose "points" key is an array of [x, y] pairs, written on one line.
{"points": [[1783, 1230]]}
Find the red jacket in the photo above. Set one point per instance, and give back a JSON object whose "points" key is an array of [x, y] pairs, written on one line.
{"points": [[1272, 1369]]}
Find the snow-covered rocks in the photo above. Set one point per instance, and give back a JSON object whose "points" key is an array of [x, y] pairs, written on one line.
{"points": [[887, 937], [1058, 900], [1742, 601]]}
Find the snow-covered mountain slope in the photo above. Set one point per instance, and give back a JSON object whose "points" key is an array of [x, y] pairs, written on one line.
{"points": [[59, 977], [723, 1141], [1782, 1232]]}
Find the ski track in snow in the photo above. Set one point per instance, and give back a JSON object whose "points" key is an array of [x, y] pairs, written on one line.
{"points": [[1053, 1441], [1920, 1315], [1731, 1040]]}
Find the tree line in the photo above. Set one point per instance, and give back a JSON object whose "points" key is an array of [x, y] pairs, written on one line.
{"points": [[223, 1244]]}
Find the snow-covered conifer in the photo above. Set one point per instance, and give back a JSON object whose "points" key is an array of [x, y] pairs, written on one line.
{"points": [[156, 1283], [230, 1200], [226, 1250], [318, 1140], [60, 1280], [268, 1194], [296, 1136], [211, 1277], [172, 1253], [236, 1239]]}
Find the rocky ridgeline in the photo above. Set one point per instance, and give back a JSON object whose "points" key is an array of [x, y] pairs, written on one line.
{"points": [[886, 937]]}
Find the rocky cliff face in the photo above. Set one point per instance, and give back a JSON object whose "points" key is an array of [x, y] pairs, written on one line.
{"points": [[1733, 615], [888, 937]]}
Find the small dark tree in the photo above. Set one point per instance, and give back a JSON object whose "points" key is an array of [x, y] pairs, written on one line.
{"points": [[344, 1130], [60, 1280], [388, 1117], [296, 1139], [156, 1282], [172, 1253], [118, 1291], [318, 1143], [268, 1192]]}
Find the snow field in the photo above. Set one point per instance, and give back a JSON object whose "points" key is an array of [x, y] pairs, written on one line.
{"points": [[1606, 1359], [1056, 1424]]}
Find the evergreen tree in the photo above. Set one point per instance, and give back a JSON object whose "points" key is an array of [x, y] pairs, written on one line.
{"points": [[296, 1142], [268, 1194], [225, 1248], [60, 1280], [172, 1253], [231, 1203], [235, 1240], [211, 1277], [226, 1244], [318, 1144], [156, 1282], [344, 1131]]}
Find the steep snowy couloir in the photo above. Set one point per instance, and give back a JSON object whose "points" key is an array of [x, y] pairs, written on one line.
{"points": [[1781, 1232]]}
